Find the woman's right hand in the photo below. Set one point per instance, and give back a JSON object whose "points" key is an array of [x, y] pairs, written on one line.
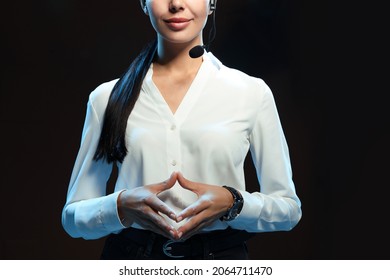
{"points": [[142, 206]]}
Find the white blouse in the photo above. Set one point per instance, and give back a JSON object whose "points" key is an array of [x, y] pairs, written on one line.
{"points": [[224, 114]]}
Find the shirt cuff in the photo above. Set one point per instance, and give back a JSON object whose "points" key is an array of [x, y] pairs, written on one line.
{"points": [[109, 213], [249, 213]]}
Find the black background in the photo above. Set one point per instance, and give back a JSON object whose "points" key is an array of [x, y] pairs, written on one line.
{"points": [[326, 64]]}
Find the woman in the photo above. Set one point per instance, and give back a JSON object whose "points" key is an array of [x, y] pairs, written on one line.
{"points": [[179, 129]]}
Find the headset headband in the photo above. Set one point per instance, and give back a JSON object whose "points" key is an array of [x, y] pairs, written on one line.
{"points": [[213, 4]]}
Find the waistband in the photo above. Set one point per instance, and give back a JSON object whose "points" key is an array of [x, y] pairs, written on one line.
{"points": [[196, 245]]}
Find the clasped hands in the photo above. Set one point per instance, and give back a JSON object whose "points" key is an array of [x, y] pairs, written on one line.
{"points": [[142, 206]]}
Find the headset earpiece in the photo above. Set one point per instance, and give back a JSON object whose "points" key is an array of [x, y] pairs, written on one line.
{"points": [[213, 5], [143, 6]]}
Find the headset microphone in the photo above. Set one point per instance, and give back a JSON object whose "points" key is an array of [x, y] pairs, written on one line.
{"points": [[198, 50]]}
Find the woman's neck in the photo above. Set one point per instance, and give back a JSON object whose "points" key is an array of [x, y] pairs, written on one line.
{"points": [[175, 57]]}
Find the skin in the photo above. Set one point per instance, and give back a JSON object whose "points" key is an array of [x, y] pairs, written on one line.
{"points": [[173, 73]]}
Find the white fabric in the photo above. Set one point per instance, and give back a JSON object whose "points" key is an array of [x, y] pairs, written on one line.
{"points": [[223, 115]]}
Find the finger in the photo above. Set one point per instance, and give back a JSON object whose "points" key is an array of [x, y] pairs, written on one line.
{"points": [[157, 223], [194, 226], [165, 185], [149, 225], [159, 206], [185, 235], [193, 209], [187, 184]]}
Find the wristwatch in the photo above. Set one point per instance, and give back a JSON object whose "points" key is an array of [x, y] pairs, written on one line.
{"points": [[238, 203]]}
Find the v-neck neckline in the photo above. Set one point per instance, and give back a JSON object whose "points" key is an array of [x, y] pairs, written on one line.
{"points": [[189, 99]]}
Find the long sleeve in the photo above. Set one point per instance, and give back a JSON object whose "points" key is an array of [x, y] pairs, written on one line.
{"points": [[224, 114], [90, 213], [276, 206]]}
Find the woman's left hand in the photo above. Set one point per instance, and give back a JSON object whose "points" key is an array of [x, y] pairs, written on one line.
{"points": [[213, 202]]}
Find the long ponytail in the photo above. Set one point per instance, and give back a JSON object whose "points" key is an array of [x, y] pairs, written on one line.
{"points": [[112, 143]]}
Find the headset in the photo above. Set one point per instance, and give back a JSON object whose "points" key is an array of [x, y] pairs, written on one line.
{"points": [[198, 51], [213, 4]]}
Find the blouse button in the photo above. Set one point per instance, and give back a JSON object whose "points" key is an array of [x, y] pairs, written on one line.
{"points": [[173, 127], [174, 162]]}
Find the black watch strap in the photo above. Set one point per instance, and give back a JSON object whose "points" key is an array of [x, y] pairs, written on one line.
{"points": [[238, 203]]}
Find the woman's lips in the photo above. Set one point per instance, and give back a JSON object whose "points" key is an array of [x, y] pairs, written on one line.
{"points": [[177, 23]]}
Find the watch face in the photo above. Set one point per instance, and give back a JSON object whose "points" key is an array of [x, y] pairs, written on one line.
{"points": [[234, 212], [235, 209]]}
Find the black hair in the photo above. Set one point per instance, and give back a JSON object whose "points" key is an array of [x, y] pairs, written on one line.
{"points": [[112, 143]]}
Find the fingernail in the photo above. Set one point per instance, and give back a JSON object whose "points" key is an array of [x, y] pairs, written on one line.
{"points": [[172, 233], [172, 216], [179, 219], [180, 234]]}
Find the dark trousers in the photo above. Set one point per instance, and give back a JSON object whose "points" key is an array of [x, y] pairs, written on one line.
{"points": [[135, 244]]}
